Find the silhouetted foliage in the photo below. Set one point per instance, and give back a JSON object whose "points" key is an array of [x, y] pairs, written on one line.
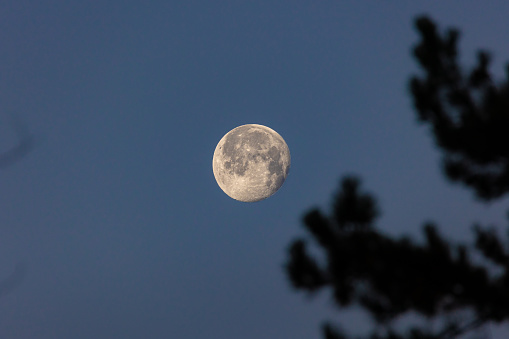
{"points": [[459, 287], [21, 149], [13, 280], [391, 277], [7, 158], [467, 110]]}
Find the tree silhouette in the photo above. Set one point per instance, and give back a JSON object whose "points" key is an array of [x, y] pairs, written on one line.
{"points": [[7, 158], [21, 149], [14, 279], [459, 287], [467, 110]]}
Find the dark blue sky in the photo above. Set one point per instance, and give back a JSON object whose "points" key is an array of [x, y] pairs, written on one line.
{"points": [[116, 212]]}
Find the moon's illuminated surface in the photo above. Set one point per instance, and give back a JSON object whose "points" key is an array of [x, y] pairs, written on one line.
{"points": [[251, 162]]}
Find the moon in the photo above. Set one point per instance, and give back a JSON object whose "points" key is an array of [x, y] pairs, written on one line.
{"points": [[251, 162]]}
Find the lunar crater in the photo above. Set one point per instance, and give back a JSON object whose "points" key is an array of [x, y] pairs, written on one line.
{"points": [[251, 162]]}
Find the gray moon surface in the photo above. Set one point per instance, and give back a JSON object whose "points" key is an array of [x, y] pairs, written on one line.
{"points": [[251, 162]]}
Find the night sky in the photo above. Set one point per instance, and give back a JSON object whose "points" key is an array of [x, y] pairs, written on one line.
{"points": [[115, 212]]}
